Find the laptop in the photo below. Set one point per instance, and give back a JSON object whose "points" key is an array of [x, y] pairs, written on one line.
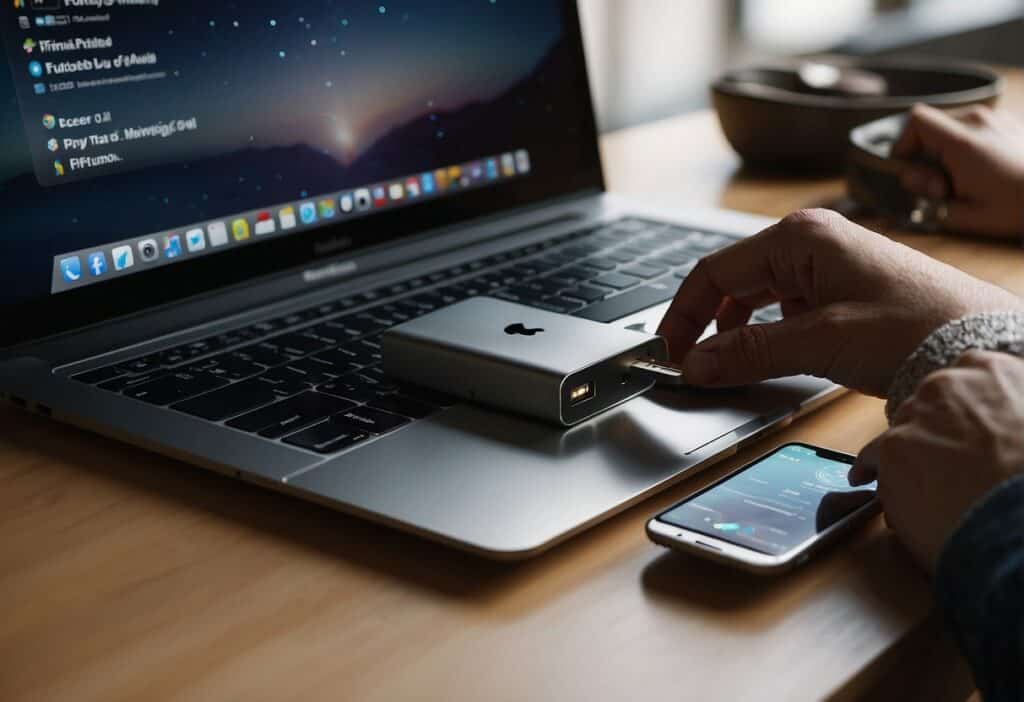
{"points": [[211, 214]]}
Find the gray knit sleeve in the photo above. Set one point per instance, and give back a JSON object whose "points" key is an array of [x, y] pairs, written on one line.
{"points": [[990, 331]]}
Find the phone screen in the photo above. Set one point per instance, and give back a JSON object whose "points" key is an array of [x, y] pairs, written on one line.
{"points": [[776, 503]]}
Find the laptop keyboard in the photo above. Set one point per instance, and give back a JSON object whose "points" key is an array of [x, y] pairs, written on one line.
{"points": [[313, 378]]}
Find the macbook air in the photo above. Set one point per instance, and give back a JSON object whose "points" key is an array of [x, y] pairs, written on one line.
{"points": [[210, 213]]}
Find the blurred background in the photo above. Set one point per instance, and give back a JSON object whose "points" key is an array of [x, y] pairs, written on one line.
{"points": [[651, 59]]}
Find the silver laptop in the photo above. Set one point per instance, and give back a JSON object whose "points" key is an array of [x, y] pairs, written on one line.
{"points": [[210, 215]]}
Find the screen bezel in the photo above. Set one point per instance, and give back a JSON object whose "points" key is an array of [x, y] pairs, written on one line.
{"points": [[732, 550], [44, 317]]}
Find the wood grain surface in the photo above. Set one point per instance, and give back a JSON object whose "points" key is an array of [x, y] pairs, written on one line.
{"points": [[127, 576]]}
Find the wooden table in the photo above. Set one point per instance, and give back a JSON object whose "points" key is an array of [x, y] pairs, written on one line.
{"points": [[127, 576]]}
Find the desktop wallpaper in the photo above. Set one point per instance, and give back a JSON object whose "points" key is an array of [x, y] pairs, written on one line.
{"points": [[291, 100]]}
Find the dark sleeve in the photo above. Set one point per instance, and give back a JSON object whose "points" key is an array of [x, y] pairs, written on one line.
{"points": [[980, 586]]}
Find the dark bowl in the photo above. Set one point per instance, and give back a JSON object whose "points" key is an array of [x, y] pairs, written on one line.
{"points": [[772, 122]]}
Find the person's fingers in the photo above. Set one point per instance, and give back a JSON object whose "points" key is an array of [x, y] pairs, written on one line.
{"points": [[757, 352], [963, 216], [794, 306], [925, 181], [736, 312], [865, 469], [740, 270], [905, 412], [929, 131]]}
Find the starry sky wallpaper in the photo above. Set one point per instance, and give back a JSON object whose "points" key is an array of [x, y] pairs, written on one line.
{"points": [[292, 99]]}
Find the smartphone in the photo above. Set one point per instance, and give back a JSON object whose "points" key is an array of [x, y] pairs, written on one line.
{"points": [[771, 514]]}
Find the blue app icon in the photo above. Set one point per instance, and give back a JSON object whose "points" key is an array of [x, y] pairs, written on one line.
{"points": [[39, 88], [71, 269], [492, 169], [427, 183], [97, 264], [307, 212], [35, 69], [172, 246]]}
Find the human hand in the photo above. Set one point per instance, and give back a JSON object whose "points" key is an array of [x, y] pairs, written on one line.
{"points": [[982, 151], [958, 437], [855, 303]]}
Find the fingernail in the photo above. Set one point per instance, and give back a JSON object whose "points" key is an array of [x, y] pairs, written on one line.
{"points": [[701, 367]]}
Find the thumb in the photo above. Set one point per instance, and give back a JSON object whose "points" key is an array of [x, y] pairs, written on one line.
{"points": [[865, 469], [760, 351]]}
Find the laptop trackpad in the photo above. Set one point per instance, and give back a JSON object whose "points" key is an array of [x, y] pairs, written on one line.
{"points": [[508, 486]]}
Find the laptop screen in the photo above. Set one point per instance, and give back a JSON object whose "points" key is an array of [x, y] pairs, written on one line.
{"points": [[156, 148]]}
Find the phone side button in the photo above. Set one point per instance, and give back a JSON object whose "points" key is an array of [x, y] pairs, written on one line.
{"points": [[701, 543]]}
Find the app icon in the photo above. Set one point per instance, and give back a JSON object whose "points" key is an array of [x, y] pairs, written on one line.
{"points": [[522, 161], [363, 199], [71, 269], [346, 203], [492, 169], [97, 264], [396, 191], [53, 145], [412, 187], [476, 171], [23, 22], [326, 208], [427, 182], [441, 179], [49, 121], [58, 168], [287, 217], [148, 250], [454, 176], [380, 196], [18, 4], [172, 246], [123, 257], [39, 88], [508, 165], [218, 233], [265, 224], [29, 45], [195, 240], [240, 229], [307, 212], [35, 69]]}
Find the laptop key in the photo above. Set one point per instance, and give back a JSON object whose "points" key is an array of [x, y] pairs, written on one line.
{"points": [[175, 386], [617, 280], [349, 388], [644, 270], [297, 344], [559, 304], [263, 354], [327, 437], [402, 405], [573, 275], [100, 375], [230, 401], [652, 293], [292, 414], [601, 263], [127, 381], [370, 420], [587, 293]]}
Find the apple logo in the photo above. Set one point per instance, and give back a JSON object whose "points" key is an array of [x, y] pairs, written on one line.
{"points": [[519, 328]]}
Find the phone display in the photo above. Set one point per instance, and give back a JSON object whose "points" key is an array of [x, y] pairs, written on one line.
{"points": [[776, 504]]}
